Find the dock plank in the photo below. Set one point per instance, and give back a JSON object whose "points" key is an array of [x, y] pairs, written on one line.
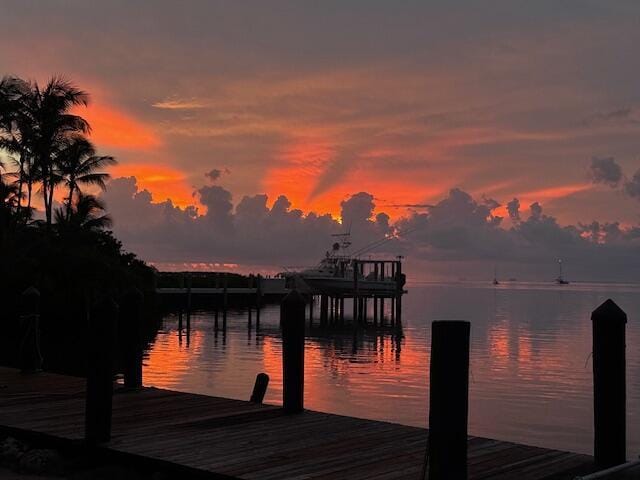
{"points": [[242, 440]]}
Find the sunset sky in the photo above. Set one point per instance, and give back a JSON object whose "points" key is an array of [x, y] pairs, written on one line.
{"points": [[318, 101]]}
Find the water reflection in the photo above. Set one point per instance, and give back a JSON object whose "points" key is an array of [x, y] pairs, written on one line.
{"points": [[530, 369]]}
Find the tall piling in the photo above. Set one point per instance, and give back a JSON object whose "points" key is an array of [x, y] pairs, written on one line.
{"points": [[130, 326], [609, 384], [102, 344], [293, 308], [449, 400]]}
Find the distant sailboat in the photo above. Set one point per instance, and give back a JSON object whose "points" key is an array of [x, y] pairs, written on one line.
{"points": [[495, 276], [560, 280]]}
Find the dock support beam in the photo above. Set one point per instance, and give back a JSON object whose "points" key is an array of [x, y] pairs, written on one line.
{"points": [[293, 309], [609, 384], [449, 400]]}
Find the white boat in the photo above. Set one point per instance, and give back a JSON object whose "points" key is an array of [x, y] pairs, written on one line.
{"points": [[338, 273]]}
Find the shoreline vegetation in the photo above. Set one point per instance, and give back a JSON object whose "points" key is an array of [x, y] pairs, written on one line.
{"points": [[66, 250]]}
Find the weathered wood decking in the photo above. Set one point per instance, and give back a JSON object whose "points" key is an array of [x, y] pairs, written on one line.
{"points": [[237, 439]]}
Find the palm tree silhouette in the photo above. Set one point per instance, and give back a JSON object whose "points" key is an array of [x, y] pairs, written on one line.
{"points": [[86, 214], [77, 163], [37, 124]]}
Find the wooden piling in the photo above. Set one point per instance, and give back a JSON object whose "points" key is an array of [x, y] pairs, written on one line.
{"points": [[260, 388], [324, 309], [131, 333], [249, 312], [225, 300], [293, 308], [448, 400], [356, 311], [609, 384], [393, 310], [375, 310], [189, 280], [30, 357], [102, 342], [331, 309], [342, 310], [258, 299]]}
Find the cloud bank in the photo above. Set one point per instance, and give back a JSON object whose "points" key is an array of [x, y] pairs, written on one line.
{"points": [[457, 236]]}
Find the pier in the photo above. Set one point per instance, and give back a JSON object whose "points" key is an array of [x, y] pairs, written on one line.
{"points": [[375, 292]]}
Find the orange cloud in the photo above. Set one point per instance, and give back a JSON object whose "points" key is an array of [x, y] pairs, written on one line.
{"points": [[301, 164], [114, 128], [163, 182]]}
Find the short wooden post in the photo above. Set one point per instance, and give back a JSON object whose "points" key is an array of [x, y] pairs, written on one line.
{"points": [[293, 308], [609, 384], [260, 388], [448, 400], [30, 357], [131, 325], [102, 342]]}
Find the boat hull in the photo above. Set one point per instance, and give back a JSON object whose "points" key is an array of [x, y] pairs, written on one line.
{"points": [[346, 286]]}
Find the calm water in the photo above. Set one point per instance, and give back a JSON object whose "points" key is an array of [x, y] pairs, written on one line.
{"points": [[530, 360]]}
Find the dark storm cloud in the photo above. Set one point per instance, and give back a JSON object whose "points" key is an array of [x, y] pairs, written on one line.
{"points": [[215, 173], [632, 187], [605, 171]]}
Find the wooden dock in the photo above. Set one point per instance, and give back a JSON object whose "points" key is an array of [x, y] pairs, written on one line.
{"points": [[232, 439]]}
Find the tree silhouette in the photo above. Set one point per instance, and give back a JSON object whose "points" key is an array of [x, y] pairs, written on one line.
{"points": [[77, 163], [85, 214], [37, 124]]}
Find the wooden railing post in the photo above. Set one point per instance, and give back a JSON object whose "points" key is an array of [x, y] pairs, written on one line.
{"points": [[30, 357], [260, 388], [609, 384], [449, 400], [102, 342], [131, 324], [293, 309]]}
